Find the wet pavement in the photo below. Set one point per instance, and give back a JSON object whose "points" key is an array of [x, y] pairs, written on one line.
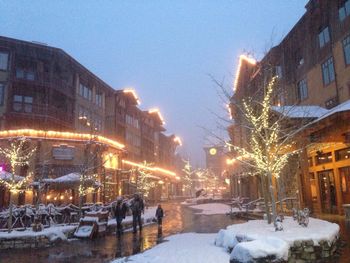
{"points": [[178, 219]]}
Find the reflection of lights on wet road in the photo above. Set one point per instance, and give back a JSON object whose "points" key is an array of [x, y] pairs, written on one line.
{"points": [[177, 219]]}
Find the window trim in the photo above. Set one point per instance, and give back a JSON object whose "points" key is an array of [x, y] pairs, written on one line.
{"points": [[307, 89], [323, 76]]}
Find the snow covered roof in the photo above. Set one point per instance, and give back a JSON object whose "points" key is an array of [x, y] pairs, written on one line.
{"points": [[68, 178], [301, 111], [345, 106], [6, 176]]}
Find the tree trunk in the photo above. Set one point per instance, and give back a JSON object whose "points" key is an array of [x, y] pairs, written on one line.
{"points": [[9, 221], [272, 194], [266, 198]]}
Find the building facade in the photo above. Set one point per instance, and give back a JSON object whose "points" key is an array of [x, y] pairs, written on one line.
{"points": [[312, 66], [74, 118]]}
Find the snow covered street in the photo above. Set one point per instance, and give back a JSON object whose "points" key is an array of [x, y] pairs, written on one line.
{"points": [[185, 248]]}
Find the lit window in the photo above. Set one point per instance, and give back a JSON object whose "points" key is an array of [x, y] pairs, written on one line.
{"points": [[346, 47], [4, 57], [324, 37], [328, 71], [302, 90]]}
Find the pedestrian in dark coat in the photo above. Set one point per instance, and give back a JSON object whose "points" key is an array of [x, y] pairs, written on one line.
{"points": [[159, 215], [137, 207], [120, 211]]}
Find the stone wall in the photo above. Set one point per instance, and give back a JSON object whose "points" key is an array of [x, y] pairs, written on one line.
{"points": [[307, 251], [39, 241]]}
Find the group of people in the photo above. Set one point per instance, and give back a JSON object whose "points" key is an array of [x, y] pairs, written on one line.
{"points": [[137, 207]]}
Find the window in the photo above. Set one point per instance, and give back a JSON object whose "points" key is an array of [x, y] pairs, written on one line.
{"points": [[2, 94], [27, 74], [23, 103], [302, 89], [4, 58], [85, 92], [346, 48], [278, 71], [344, 10], [322, 158], [328, 71], [345, 178], [98, 99], [342, 154], [324, 37]]}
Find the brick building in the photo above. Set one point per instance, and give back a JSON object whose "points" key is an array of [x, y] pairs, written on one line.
{"points": [[312, 66]]}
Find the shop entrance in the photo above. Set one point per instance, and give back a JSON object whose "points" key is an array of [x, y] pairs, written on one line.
{"points": [[327, 192]]}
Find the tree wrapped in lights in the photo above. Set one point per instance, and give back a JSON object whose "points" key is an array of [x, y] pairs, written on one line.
{"points": [[18, 154], [188, 176], [144, 180], [269, 144]]}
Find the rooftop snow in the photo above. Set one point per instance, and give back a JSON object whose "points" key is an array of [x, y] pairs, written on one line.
{"points": [[300, 111]]}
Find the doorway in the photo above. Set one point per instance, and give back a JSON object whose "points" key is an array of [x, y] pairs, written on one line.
{"points": [[327, 192]]}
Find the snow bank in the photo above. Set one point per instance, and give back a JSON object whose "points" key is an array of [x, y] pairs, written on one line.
{"points": [[52, 233], [257, 238], [188, 247], [212, 209], [260, 248]]}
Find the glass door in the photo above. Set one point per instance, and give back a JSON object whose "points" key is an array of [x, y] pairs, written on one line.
{"points": [[327, 191]]}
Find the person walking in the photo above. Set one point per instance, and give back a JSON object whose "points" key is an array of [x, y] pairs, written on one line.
{"points": [[137, 206], [159, 215], [120, 211]]}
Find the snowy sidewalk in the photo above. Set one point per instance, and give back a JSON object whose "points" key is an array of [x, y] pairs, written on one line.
{"points": [[184, 248]]}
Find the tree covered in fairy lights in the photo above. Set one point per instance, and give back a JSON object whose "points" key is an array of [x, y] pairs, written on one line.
{"points": [[145, 180], [187, 177], [18, 154], [269, 144]]}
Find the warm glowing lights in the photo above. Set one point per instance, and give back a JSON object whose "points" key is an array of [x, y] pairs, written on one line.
{"points": [[160, 182], [212, 151], [153, 169], [133, 93], [157, 111], [238, 72], [59, 136], [230, 161], [178, 140]]}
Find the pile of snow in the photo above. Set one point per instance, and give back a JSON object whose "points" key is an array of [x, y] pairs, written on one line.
{"points": [[6, 176], [212, 209], [149, 214], [188, 247], [255, 239], [53, 233]]}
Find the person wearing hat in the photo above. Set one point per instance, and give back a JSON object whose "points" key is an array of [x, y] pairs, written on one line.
{"points": [[120, 211]]}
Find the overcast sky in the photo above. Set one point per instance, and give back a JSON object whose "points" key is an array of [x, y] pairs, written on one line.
{"points": [[165, 49]]}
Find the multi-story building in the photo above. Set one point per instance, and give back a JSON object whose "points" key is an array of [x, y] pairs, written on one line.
{"points": [[72, 117], [312, 66]]}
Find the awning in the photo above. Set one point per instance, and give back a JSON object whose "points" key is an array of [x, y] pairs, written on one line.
{"points": [[6, 176]]}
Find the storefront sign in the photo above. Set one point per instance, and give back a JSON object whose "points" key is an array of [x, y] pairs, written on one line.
{"points": [[63, 152]]}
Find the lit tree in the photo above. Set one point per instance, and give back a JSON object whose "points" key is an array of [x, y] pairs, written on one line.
{"points": [[18, 154], [144, 180], [188, 176], [269, 145]]}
